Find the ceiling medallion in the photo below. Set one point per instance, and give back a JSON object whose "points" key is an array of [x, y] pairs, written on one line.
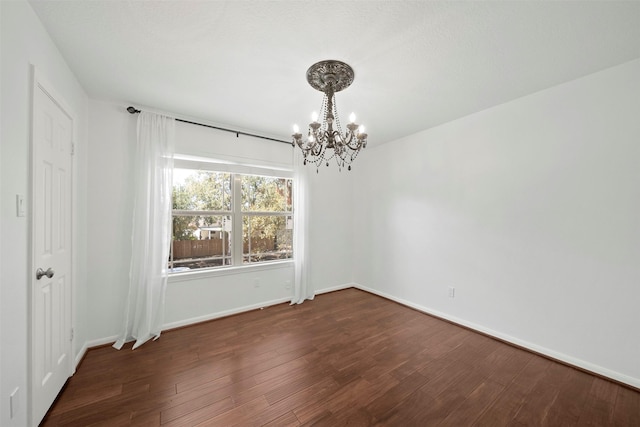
{"points": [[326, 141]]}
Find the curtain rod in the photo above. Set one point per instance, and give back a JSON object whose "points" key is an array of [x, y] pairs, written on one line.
{"points": [[133, 110]]}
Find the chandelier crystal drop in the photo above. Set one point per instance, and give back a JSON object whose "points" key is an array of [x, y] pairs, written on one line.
{"points": [[325, 140]]}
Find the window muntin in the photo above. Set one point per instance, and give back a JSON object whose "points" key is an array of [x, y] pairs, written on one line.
{"points": [[205, 212]]}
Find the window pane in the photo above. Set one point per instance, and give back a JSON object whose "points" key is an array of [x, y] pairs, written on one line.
{"points": [[266, 238], [200, 242], [201, 190], [266, 194]]}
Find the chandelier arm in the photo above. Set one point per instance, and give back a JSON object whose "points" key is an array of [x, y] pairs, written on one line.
{"points": [[348, 140], [336, 136], [355, 147], [317, 149]]}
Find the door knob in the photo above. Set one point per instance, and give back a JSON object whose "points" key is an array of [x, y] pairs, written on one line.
{"points": [[40, 272]]}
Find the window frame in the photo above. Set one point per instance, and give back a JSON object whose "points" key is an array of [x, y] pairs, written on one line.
{"points": [[236, 170]]}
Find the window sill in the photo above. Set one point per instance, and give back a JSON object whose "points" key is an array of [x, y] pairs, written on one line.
{"points": [[225, 271]]}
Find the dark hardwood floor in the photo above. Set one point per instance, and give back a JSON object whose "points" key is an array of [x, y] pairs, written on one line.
{"points": [[346, 358]]}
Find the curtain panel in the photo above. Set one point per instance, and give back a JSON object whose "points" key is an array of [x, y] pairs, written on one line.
{"points": [[303, 288], [151, 234]]}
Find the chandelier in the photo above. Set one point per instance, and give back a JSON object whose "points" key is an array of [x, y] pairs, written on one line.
{"points": [[326, 141]]}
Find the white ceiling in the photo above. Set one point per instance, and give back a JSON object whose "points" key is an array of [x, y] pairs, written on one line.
{"points": [[417, 63]]}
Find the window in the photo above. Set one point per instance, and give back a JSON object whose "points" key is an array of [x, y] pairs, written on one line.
{"points": [[225, 219]]}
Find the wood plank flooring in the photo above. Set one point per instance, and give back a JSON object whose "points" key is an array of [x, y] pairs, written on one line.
{"points": [[345, 358]]}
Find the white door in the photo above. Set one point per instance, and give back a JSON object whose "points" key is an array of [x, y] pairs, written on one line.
{"points": [[51, 351]]}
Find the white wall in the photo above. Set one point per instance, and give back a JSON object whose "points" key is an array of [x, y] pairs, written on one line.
{"points": [[189, 298], [23, 42], [331, 230], [531, 210], [109, 205]]}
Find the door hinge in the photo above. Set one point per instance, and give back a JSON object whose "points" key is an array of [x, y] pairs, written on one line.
{"points": [[73, 148], [71, 335]]}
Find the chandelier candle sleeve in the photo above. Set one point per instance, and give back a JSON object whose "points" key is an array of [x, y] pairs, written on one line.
{"points": [[326, 140]]}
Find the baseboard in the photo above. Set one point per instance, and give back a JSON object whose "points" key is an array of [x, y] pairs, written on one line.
{"points": [[213, 316], [100, 342], [79, 357], [182, 323], [225, 313], [335, 288], [88, 345], [543, 351]]}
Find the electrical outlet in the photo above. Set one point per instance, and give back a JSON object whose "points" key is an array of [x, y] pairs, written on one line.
{"points": [[287, 284], [452, 292], [256, 283]]}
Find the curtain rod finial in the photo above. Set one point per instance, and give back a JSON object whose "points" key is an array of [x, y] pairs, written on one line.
{"points": [[132, 110]]}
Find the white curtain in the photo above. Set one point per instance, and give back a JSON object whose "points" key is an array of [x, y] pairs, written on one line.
{"points": [[151, 234], [303, 288]]}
